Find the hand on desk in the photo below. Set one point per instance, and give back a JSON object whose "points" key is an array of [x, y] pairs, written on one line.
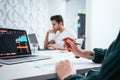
{"points": [[64, 69]]}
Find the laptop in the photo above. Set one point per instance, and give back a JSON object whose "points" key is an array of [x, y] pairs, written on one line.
{"points": [[33, 40], [15, 48]]}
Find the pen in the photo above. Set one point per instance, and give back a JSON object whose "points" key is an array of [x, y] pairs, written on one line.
{"points": [[72, 40], [77, 43]]}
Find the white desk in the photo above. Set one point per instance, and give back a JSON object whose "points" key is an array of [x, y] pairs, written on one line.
{"points": [[44, 69]]}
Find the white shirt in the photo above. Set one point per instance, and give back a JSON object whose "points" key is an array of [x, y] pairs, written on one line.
{"points": [[60, 36]]}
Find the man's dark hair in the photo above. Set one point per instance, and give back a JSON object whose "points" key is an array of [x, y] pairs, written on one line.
{"points": [[58, 18]]}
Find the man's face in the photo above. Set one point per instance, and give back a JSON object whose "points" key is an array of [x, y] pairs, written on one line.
{"points": [[56, 25]]}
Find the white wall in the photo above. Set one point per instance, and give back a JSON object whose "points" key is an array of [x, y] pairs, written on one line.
{"points": [[57, 7], [30, 15], [104, 23]]}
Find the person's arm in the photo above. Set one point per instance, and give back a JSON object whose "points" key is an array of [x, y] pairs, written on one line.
{"points": [[70, 45], [97, 55], [46, 41], [110, 66]]}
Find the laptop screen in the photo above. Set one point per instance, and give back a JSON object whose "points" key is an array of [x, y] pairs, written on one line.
{"points": [[13, 42]]}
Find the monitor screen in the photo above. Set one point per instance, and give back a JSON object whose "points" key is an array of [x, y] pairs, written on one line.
{"points": [[32, 38], [13, 42]]}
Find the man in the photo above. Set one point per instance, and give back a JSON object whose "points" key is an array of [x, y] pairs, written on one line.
{"points": [[58, 25], [110, 59]]}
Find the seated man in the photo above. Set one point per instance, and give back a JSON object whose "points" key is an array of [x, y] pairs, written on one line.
{"points": [[58, 25], [110, 59]]}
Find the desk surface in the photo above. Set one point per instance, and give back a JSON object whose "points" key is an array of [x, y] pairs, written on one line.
{"points": [[44, 69]]}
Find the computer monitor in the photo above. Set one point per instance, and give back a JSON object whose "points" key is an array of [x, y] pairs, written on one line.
{"points": [[33, 39]]}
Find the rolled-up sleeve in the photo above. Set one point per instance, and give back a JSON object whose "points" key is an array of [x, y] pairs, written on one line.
{"points": [[99, 55]]}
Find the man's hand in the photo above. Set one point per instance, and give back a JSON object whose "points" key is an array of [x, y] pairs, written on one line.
{"points": [[46, 41], [52, 31], [51, 42], [64, 69]]}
